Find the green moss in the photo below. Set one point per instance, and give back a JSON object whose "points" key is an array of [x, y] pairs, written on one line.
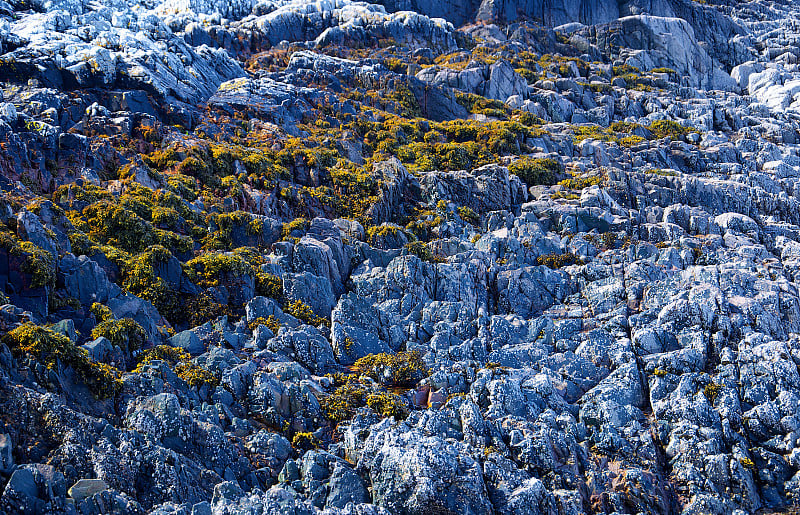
{"points": [[101, 312], [269, 285], [476, 104], [177, 358], [270, 322], [468, 215], [68, 194], [207, 269], [184, 186], [139, 277], [38, 262], [579, 183], [377, 233], [296, 227], [422, 251], [658, 171], [113, 225], [161, 159], [624, 127], [355, 189], [453, 145], [82, 245], [224, 225], [170, 355], [165, 218], [630, 141], [711, 391], [342, 404], [196, 376], [632, 77]]}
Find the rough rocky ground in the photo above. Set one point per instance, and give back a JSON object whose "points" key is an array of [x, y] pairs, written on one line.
{"points": [[412, 257]]}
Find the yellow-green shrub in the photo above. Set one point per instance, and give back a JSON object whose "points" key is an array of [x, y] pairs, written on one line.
{"points": [[53, 349], [400, 369], [125, 332], [534, 171]]}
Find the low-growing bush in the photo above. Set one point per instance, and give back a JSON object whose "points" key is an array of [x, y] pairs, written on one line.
{"points": [[303, 311], [533, 171], [422, 251], [125, 332], [400, 369], [556, 260], [342, 404], [668, 129], [55, 350], [387, 405]]}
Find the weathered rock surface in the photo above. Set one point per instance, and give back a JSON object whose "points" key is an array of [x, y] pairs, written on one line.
{"points": [[350, 258]]}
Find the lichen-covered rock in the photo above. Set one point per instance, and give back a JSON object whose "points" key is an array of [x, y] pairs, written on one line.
{"points": [[414, 474], [499, 256], [488, 188]]}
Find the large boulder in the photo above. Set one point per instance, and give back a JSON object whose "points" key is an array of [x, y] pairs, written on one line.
{"points": [[397, 186], [85, 280], [306, 346], [311, 289], [52, 52], [457, 12], [498, 80], [488, 188], [415, 474], [527, 291], [549, 13], [663, 42], [359, 328], [229, 9]]}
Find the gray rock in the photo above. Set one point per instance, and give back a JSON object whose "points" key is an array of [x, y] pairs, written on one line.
{"points": [[583, 11], [86, 488], [306, 346], [345, 486], [358, 328], [143, 312], [498, 80], [311, 289], [6, 458], [103, 351], [528, 291], [436, 474], [67, 328], [30, 228], [397, 185], [489, 188], [188, 341], [21, 490], [86, 281], [656, 41]]}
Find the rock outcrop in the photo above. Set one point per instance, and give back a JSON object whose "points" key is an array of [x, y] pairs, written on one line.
{"points": [[340, 257]]}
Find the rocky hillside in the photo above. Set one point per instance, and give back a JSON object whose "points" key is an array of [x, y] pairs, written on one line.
{"points": [[405, 257]]}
